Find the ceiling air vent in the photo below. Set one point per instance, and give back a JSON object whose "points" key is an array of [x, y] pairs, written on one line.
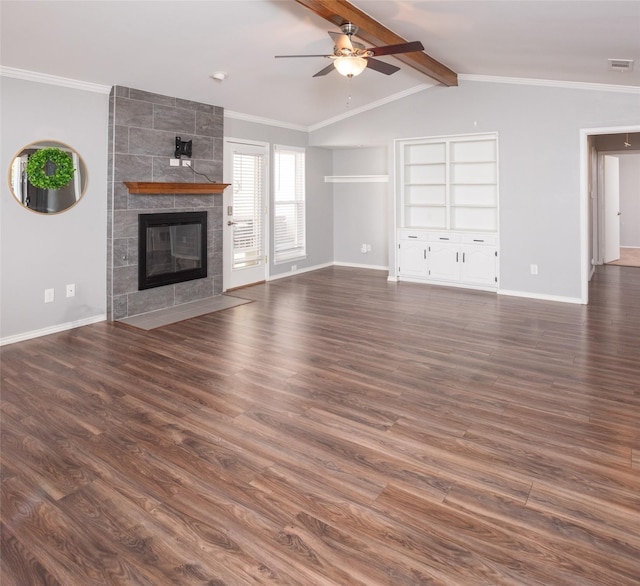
{"points": [[621, 64]]}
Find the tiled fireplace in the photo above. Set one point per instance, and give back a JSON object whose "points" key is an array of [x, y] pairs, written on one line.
{"points": [[143, 128]]}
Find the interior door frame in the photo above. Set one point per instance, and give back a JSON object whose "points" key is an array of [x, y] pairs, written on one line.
{"points": [[588, 225], [227, 171]]}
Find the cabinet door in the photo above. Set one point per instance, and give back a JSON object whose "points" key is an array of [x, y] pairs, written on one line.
{"points": [[478, 266], [412, 258], [444, 262]]}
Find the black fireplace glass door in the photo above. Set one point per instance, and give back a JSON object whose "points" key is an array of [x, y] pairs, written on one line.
{"points": [[173, 248]]}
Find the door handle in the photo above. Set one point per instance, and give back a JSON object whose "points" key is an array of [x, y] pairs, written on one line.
{"points": [[619, 213], [231, 223]]}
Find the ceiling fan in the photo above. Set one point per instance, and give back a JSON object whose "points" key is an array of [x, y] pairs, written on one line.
{"points": [[351, 58]]}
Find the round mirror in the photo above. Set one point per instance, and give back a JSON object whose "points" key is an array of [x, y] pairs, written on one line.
{"points": [[47, 177]]}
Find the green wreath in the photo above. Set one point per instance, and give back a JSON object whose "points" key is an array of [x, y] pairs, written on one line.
{"points": [[37, 168]]}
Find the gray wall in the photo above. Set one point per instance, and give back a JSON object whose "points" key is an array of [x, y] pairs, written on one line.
{"points": [[320, 212], [630, 199], [539, 186], [539, 151], [49, 251], [319, 219], [360, 209], [142, 130]]}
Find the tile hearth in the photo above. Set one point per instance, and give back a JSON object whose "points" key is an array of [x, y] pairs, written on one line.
{"points": [[177, 313]]}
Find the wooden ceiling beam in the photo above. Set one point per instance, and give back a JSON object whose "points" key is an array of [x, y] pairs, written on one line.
{"points": [[370, 30]]}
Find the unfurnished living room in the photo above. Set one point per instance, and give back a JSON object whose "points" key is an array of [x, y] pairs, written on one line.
{"points": [[320, 292]]}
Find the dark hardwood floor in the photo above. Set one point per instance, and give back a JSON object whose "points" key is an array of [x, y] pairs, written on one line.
{"points": [[340, 430]]}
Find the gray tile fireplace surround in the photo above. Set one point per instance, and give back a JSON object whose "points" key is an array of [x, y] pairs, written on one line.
{"points": [[142, 130]]}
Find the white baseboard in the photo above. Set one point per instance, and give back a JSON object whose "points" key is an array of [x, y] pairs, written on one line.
{"points": [[360, 266], [436, 283], [541, 296], [52, 330], [324, 266], [299, 271]]}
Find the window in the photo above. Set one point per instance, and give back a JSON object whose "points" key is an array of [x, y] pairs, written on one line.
{"points": [[248, 163], [289, 204]]}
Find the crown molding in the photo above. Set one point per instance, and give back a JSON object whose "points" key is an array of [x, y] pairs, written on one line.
{"points": [[371, 106], [579, 85], [54, 80], [267, 121]]}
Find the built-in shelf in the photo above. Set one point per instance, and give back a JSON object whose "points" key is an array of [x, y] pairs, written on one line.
{"points": [[155, 188]]}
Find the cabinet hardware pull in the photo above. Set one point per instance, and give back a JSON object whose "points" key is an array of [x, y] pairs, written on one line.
{"points": [[478, 240], [425, 255], [457, 253], [444, 239], [412, 236], [463, 254]]}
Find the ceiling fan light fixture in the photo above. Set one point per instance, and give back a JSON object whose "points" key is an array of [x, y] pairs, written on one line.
{"points": [[350, 66]]}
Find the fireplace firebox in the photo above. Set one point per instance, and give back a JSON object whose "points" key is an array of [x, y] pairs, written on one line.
{"points": [[172, 248]]}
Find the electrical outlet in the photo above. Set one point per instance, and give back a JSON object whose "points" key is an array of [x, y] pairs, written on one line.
{"points": [[49, 295], [186, 163], [71, 290], [368, 247], [174, 162], [294, 267], [534, 269]]}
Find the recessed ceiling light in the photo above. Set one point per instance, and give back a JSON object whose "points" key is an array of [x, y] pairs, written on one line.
{"points": [[219, 76], [621, 64]]}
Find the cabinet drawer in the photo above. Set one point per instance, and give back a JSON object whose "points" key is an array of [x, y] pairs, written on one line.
{"points": [[444, 237], [490, 239], [417, 235]]}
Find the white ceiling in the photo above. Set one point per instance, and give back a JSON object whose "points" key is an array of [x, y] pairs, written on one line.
{"points": [[172, 47]]}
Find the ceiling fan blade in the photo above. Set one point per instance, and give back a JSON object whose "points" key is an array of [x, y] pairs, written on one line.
{"points": [[399, 48], [288, 56], [327, 69], [341, 41], [381, 66]]}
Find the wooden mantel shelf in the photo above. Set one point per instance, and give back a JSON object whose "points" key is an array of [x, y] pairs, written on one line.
{"points": [[154, 188]]}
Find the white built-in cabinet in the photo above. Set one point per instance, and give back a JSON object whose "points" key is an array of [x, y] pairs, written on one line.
{"points": [[447, 201]]}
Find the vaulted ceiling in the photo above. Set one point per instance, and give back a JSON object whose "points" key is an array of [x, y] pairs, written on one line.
{"points": [[174, 47]]}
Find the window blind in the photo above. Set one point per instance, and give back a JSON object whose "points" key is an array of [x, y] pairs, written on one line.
{"points": [[247, 209], [289, 203]]}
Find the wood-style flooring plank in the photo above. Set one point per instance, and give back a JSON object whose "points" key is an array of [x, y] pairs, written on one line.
{"points": [[340, 430]]}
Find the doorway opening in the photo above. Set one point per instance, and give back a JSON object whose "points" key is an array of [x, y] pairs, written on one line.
{"points": [[599, 219]]}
